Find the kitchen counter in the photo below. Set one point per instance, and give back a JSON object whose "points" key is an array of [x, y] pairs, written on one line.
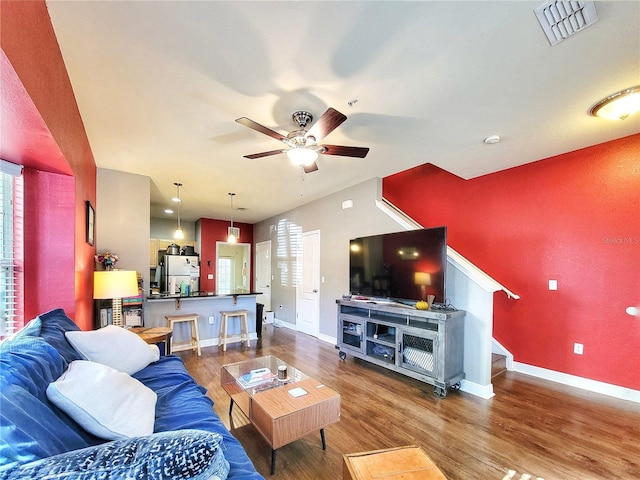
{"points": [[207, 305], [167, 296]]}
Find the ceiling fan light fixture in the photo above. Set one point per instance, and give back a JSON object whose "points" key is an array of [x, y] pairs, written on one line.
{"points": [[302, 157], [619, 105]]}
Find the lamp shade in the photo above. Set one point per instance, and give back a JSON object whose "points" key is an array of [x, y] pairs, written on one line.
{"points": [[115, 284], [302, 156]]}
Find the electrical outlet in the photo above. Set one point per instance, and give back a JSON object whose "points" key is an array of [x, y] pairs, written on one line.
{"points": [[553, 284], [578, 348], [212, 320]]}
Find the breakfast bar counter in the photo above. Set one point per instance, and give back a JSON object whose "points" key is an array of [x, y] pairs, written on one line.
{"points": [[207, 305]]}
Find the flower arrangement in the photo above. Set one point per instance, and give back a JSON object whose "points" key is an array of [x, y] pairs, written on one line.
{"points": [[107, 259]]}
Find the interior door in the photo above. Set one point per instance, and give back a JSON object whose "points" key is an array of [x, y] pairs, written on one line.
{"points": [[263, 273], [308, 291]]}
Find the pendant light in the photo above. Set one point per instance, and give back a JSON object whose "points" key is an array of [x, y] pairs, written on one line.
{"points": [[232, 233], [179, 234]]}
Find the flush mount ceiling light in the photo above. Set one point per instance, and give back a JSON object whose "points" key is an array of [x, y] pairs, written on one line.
{"points": [[179, 234], [618, 106]]}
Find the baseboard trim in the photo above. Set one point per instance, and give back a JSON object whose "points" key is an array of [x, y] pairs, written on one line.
{"points": [[595, 386], [482, 391], [212, 342], [328, 339], [281, 323], [291, 326]]}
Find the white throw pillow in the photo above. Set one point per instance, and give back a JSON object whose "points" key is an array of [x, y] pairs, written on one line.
{"points": [[105, 402], [116, 347]]}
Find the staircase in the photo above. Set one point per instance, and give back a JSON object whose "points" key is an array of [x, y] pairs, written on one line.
{"points": [[498, 364]]}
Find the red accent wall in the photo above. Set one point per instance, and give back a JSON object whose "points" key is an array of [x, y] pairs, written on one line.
{"points": [[212, 231], [574, 218], [42, 129]]}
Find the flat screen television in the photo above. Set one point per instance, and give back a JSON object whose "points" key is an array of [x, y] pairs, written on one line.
{"points": [[404, 266]]}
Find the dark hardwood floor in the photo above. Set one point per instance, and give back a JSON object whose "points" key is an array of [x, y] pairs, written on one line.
{"points": [[532, 426]]}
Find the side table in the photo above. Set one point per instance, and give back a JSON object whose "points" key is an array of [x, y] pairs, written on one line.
{"points": [[155, 335]]}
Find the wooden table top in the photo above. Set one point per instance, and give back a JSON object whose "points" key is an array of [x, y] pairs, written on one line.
{"points": [[152, 335]]}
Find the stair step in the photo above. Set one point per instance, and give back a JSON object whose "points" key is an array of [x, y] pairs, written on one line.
{"points": [[498, 364]]}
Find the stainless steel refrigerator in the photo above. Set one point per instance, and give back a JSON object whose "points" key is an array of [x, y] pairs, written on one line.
{"points": [[179, 271]]}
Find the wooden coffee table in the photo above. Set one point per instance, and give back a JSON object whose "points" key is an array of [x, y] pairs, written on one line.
{"points": [[272, 408]]}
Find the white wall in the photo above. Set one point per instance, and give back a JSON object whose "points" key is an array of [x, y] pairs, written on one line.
{"points": [[477, 302], [337, 227], [164, 228], [122, 219]]}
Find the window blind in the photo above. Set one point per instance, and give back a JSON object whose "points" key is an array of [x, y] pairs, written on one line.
{"points": [[11, 249]]}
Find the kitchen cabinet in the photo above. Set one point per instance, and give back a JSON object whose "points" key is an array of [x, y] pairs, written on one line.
{"points": [[156, 244]]}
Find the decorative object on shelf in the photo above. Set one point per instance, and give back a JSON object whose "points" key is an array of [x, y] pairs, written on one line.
{"points": [[422, 305], [115, 284], [619, 105], [430, 300], [90, 223], [233, 234], [178, 233], [107, 259]]}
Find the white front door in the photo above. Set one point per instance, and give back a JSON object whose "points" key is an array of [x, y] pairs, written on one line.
{"points": [[263, 273], [308, 292]]}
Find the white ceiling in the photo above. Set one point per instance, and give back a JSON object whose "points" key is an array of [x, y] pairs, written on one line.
{"points": [[160, 83]]}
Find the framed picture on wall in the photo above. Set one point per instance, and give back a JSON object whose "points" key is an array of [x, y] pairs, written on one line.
{"points": [[91, 220]]}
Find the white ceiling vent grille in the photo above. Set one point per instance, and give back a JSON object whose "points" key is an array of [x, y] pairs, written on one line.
{"points": [[560, 20]]}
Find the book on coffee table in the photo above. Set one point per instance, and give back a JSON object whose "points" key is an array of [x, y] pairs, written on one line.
{"points": [[256, 377]]}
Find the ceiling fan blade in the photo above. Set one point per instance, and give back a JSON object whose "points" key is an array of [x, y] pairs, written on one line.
{"points": [[343, 151], [259, 128], [311, 168], [327, 123], [263, 154]]}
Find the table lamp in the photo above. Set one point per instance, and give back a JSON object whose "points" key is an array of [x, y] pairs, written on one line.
{"points": [[115, 284]]}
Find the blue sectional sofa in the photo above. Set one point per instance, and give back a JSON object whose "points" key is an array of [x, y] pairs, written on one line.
{"points": [[39, 439]]}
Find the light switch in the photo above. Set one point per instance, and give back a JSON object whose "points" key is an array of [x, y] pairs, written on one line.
{"points": [[210, 276], [553, 284]]}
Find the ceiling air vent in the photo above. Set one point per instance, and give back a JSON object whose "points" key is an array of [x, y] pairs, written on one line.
{"points": [[560, 20]]}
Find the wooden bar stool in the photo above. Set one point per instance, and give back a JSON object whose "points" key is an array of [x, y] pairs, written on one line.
{"points": [[195, 336], [223, 336]]}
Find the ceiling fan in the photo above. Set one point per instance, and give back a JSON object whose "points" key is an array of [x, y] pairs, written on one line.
{"points": [[303, 145]]}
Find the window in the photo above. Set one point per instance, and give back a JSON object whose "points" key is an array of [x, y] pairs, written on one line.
{"points": [[289, 253], [225, 274], [11, 249]]}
